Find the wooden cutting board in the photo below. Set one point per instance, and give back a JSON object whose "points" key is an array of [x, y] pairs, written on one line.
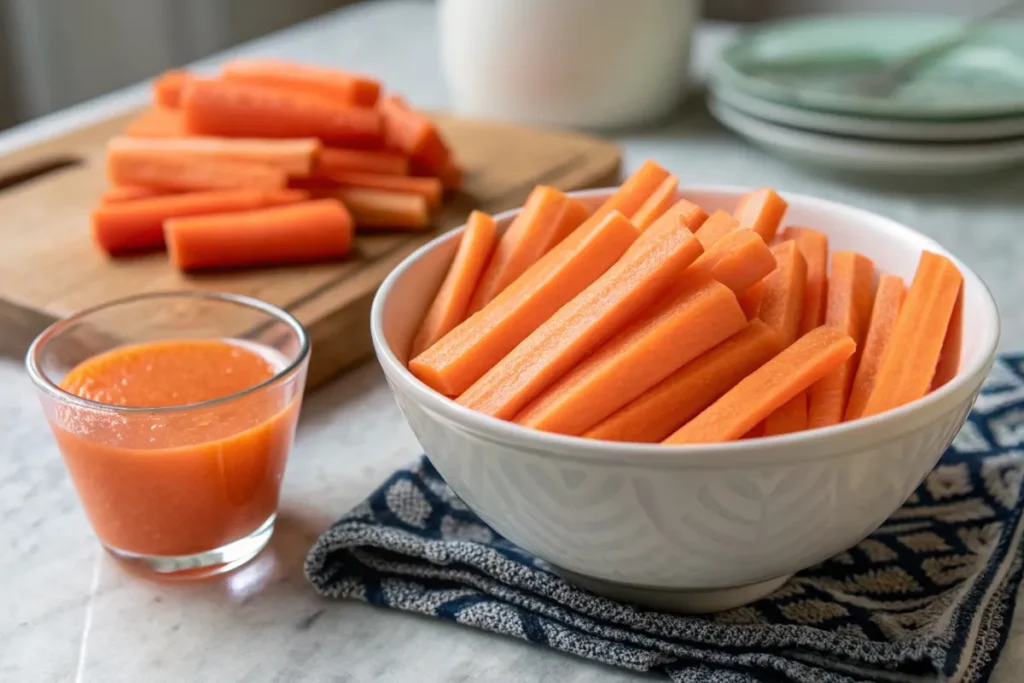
{"points": [[50, 269]]}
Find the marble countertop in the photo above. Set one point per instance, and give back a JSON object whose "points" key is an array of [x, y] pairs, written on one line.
{"points": [[70, 614]]}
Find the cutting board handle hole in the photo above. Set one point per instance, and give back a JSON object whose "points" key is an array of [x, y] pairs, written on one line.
{"points": [[37, 169]]}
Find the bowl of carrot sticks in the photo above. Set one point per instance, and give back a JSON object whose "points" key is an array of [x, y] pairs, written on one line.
{"points": [[680, 396]]}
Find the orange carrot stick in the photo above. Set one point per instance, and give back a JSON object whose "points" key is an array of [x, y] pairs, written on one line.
{"points": [[791, 417], [167, 87], [949, 358], [783, 299], [137, 225], [463, 355], [449, 306], [337, 160], [130, 167], [548, 217], [738, 260], [888, 301], [750, 299], [912, 354], [586, 322], [125, 193], [450, 174], [657, 203], [373, 209], [414, 135], [293, 157], [814, 247], [243, 110], [308, 231], [660, 410], [428, 188], [338, 86], [631, 195], [637, 358], [761, 211], [766, 389], [157, 122], [848, 309], [715, 227]]}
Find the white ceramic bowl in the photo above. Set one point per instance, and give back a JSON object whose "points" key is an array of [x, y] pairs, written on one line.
{"points": [[688, 528]]}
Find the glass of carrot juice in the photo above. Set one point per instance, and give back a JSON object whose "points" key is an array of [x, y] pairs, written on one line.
{"points": [[174, 413]]}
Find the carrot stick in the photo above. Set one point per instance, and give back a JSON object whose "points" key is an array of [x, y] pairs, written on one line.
{"points": [[449, 306], [657, 203], [381, 208], [738, 260], [783, 299], [547, 218], [131, 167], [337, 160], [761, 211], [949, 358], [888, 301], [463, 355], [124, 193], [243, 110], [912, 354], [715, 227], [137, 225], [414, 135], [848, 309], [637, 358], [591, 318], [167, 87], [766, 389], [660, 410], [814, 247], [341, 87], [157, 122], [294, 157], [791, 417], [750, 299], [307, 231], [630, 196], [429, 188], [450, 174]]}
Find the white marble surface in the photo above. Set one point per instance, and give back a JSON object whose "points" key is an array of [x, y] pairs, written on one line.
{"points": [[67, 613]]}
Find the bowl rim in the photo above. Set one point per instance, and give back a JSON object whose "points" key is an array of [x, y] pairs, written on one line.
{"points": [[576, 448]]}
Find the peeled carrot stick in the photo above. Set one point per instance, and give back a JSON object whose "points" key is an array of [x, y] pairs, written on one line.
{"points": [[690, 214], [130, 167], [791, 417], [450, 174], [381, 208], [660, 410], [783, 299], [125, 193], [715, 227], [888, 301], [949, 358], [337, 160], [548, 217], [428, 188], [738, 260], [814, 247], [137, 225], [167, 87], [338, 86], [308, 231], [244, 110], [463, 355], [591, 318], [912, 354], [631, 195], [449, 306], [637, 358], [414, 135], [750, 299], [761, 211], [766, 389], [657, 203], [293, 157], [157, 122], [848, 309]]}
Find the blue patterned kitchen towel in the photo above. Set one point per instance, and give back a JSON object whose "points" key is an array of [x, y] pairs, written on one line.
{"points": [[929, 593]]}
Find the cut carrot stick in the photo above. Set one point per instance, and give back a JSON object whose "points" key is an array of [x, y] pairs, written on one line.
{"points": [[308, 231], [750, 299], [912, 354], [591, 318], [715, 227], [783, 299], [293, 157], [630, 196], [791, 417], [157, 122], [381, 208], [637, 358], [337, 160], [814, 247], [949, 358], [547, 218], [428, 188], [338, 86], [243, 110], [738, 260], [414, 135], [761, 211], [449, 306], [137, 225], [463, 355], [450, 174], [848, 309], [125, 193], [658, 203], [766, 389], [130, 167], [167, 87], [888, 301], [659, 411]]}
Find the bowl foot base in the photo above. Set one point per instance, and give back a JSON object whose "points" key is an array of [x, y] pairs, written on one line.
{"points": [[695, 601]]}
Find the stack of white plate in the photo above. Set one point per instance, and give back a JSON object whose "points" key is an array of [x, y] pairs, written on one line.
{"points": [[792, 88]]}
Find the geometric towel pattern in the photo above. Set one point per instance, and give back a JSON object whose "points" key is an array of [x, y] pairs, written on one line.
{"points": [[930, 593]]}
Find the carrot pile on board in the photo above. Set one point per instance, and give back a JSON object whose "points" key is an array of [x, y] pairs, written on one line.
{"points": [[272, 162], [649, 320]]}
